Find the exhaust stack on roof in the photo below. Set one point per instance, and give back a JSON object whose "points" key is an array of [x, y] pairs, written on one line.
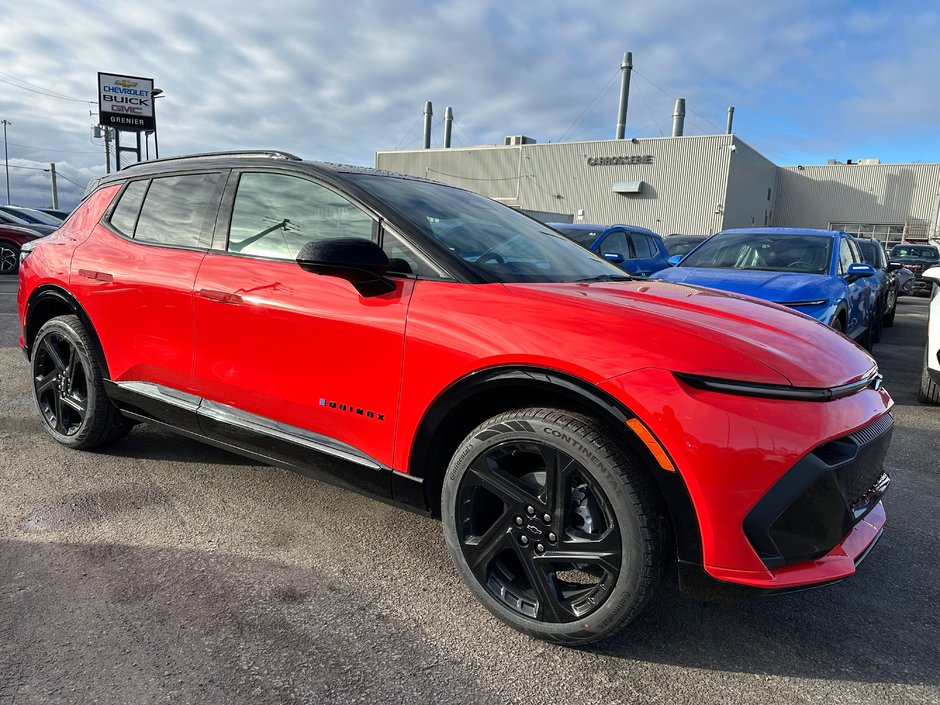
{"points": [[730, 118], [678, 118], [428, 112], [448, 121], [626, 66]]}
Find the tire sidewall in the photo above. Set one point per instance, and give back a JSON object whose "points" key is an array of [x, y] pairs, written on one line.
{"points": [[599, 461]]}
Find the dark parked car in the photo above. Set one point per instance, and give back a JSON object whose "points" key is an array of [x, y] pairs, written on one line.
{"points": [[917, 258], [60, 214], [10, 219], [34, 216], [575, 431], [12, 239], [638, 251], [886, 277], [682, 244]]}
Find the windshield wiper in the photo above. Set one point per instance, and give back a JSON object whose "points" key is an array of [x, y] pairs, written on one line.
{"points": [[606, 278]]}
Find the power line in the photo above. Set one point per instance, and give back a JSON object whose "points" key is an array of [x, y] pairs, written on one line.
{"points": [[46, 149], [33, 88]]}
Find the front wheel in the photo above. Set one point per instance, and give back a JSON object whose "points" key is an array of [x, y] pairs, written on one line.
{"points": [[9, 258], [68, 387], [552, 527]]}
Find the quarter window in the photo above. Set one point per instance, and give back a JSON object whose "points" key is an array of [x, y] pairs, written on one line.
{"points": [[175, 210], [276, 215]]}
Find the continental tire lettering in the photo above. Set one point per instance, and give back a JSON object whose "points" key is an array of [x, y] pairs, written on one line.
{"points": [[574, 442]]}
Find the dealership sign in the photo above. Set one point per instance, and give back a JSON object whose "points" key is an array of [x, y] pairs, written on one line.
{"points": [[126, 102]]}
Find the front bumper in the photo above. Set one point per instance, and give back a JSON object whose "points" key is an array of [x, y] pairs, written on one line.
{"points": [[786, 493]]}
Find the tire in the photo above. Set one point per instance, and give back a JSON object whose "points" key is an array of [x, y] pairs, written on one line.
{"points": [[551, 526], [929, 392], [9, 258], [888, 319], [68, 387]]}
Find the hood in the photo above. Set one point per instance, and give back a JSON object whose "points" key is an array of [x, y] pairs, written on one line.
{"points": [[706, 332], [769, 286]]}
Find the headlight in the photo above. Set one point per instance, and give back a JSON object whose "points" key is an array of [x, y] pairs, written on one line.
{"points": [[781, 391]]}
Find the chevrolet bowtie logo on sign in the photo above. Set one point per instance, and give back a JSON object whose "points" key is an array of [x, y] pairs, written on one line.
{"points": [[126, 102]]}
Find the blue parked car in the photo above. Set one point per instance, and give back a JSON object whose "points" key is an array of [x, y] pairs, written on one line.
{"points": [[639, 251], [821, 273]]}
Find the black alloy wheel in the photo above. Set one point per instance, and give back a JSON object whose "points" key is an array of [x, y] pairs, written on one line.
{"points": [[551, 525], [9, 258], [68, 387]]}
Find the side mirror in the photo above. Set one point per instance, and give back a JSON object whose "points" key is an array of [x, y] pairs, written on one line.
{"points": [[359, 261], [860, 271], [614, 257], [674, 260], [932, 275], [894, 266]]}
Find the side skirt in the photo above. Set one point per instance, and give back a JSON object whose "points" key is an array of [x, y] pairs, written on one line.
{"points": [[267, 442]]}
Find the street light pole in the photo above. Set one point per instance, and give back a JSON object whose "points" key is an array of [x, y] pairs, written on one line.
{"points": [[156, 93], [6, 157]]}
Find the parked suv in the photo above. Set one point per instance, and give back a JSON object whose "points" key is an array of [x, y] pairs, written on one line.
{"points": [[917, 258], [572, 428], [638, 251]]}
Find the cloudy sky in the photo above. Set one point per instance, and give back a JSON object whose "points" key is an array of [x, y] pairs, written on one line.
{"points": [[336, 80]]}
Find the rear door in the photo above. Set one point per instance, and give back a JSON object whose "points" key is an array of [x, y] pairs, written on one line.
{"points": [[285, 357], [134, 275]]}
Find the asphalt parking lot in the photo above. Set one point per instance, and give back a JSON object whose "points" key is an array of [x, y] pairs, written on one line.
{"points": [[161, 570]]}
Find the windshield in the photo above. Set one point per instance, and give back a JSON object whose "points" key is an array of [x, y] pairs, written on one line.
{"points": [[776, 252], [497, 242], [928, 253]]}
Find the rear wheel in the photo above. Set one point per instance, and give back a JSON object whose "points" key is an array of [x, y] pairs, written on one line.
{"points": [[551, 525], [68, 387], [9, 258]]}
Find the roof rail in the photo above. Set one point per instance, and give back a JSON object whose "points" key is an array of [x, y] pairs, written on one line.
{"points": [[264, 153]]}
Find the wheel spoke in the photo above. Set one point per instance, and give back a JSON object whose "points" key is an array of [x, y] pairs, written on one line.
{"points": [[550, 608], [558, 468], [53, 354], [603, 551], [481, 551], [489, 476], [59, 409], [44, 383], [76, 404]]}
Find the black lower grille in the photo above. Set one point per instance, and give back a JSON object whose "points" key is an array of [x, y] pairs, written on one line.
{"points": [[815, 505]]}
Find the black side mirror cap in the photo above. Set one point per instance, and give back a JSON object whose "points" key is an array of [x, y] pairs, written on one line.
{"points": [[359, 261]]}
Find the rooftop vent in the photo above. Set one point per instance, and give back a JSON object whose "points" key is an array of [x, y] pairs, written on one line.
{"points": [[515, 140]]}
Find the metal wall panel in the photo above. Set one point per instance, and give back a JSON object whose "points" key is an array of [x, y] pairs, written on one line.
{"points": [[684, 184], [815, 196], [752, 181]]}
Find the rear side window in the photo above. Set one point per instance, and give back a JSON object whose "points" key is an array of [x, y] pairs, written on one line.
{"points": [[644, 246], [125, 214], [175, 210]]}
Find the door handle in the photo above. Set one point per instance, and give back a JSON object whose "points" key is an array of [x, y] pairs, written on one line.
{"points": [[98, 276], [221, 296]]}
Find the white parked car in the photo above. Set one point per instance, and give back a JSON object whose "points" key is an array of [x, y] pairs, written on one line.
{"points": [[930, 378]]}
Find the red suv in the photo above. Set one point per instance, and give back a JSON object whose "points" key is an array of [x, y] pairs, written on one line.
{"points": [[574, 430]]}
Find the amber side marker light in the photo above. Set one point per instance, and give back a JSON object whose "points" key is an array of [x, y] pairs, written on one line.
{"points": [[643, 433]]}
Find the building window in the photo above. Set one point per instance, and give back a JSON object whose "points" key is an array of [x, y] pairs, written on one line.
{"points": [[889, 235]]}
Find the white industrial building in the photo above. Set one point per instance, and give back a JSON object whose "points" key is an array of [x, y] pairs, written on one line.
{"points": [[686, 184]]}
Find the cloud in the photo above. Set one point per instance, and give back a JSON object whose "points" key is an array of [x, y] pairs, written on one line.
{"points": [[338, 81]]}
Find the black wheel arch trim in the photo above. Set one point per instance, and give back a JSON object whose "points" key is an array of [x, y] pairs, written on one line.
{"points": [[583, 396], [55, 294]]}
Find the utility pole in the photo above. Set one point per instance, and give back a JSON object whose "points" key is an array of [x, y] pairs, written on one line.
{"points": [[6, 157], [55, 187], [107, 149]]}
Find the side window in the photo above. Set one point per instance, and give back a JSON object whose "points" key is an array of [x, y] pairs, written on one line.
{"points": [[403, 259], [124, 217], [275, 215], [175, 210], [845, 257], [616, 242], [643, 245]]}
